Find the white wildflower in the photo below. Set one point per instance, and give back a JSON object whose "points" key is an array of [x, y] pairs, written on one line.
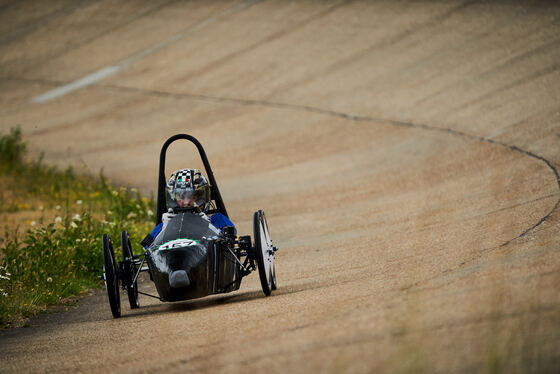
{"points": [[41, 208], [58, 207], [32, 223], [77, 217], [79, 202], [131, 215], [4, 277], [150, 213], [49, 279], [73, 225], [115, 192], [133, 189], [58, 219]]}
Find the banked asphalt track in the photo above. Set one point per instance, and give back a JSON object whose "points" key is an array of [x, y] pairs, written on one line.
{"points": [[405, 153]]}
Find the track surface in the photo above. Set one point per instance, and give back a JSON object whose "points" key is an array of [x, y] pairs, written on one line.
{"points": [[405, 154]]}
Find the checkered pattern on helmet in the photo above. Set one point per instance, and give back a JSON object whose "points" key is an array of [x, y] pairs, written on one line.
{"points": [[182, 183], [183, 175]]}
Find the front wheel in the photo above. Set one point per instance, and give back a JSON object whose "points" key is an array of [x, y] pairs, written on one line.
{"points": [[264, 253], [129, 271], [110, 275], [273, 284]]}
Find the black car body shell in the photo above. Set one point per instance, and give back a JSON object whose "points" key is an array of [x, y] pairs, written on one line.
{"points": [[191, 243]]}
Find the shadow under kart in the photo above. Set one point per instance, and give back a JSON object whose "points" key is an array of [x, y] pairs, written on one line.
{"points": [[192, 258]]}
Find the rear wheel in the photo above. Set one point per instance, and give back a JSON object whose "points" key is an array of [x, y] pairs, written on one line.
{"points": [[264, 253], [129, 271], [110, 276]]}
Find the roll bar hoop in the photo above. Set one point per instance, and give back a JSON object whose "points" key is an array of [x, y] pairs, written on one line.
{"points": [[214, 191]]}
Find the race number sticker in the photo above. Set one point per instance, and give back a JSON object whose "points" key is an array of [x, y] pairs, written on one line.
{"points": [[178, 243]]}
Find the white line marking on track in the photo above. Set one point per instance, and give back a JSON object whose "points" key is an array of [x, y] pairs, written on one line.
{"points": [[76, 85]]}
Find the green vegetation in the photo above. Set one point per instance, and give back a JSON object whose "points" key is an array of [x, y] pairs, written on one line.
{"points": [[51, 251]]}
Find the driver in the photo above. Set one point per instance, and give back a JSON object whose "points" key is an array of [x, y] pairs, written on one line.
{"points": [[187, 189]]}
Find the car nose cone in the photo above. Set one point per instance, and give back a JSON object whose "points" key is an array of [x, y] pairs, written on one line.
{"points": [[178, 279]]}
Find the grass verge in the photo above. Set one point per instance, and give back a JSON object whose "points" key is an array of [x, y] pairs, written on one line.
{"points": [[50, 250]]}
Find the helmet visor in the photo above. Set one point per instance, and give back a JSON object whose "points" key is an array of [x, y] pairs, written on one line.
{"points": [[185, 197]]}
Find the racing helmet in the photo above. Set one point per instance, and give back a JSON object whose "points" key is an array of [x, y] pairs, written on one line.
{"points": [[188, 189]]}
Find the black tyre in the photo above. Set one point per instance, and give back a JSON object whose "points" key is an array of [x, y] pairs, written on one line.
{"points": [[110, 276], [129, 271], [264, 253], [273, 285], [273, 280]]}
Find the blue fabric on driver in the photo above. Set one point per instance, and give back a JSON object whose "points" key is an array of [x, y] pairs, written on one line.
{"points": [[156, 230], [221, 221]]}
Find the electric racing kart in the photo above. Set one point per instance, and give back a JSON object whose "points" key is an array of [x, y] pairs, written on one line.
{"points": [[191, 258]]}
